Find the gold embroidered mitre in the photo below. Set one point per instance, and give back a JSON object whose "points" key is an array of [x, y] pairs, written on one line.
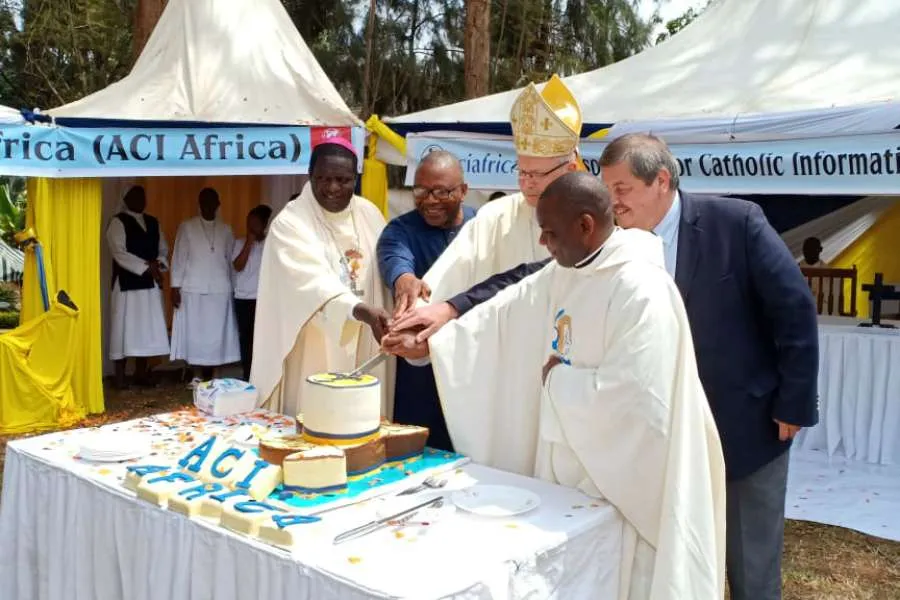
{"points": [[546, 123]]}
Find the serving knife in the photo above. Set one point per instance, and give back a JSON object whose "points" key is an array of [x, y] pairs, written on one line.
{"points": [[374, 526], [368, 365]]}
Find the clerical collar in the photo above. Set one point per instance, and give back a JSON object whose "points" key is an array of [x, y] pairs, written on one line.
{"points": [[589, 259]]}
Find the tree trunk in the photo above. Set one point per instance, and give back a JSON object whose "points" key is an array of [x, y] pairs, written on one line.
{"points": [[146, 15], [367, 101], [478, 47]]}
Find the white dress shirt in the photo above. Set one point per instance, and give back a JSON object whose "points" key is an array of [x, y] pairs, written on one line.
{"points": [[668, 231]]}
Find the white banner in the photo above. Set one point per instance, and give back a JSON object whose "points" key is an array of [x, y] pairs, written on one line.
{"points": [[853, 165]]}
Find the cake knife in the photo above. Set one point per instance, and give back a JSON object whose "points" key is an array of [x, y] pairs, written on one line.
{"points": [[374, 526], [369, 365]]}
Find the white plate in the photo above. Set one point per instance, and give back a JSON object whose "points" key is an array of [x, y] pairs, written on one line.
{"points": [[113, 457], [496, 500], [103, 446]]}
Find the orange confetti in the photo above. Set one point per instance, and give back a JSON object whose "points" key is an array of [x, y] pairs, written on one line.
{"points": [[399, 535], [104, 472], [354, 560]]}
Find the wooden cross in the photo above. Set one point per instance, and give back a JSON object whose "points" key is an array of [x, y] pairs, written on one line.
{"points": [[879, 292]]}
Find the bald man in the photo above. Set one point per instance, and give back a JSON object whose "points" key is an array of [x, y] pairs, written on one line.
{"points": [[407, 248], [584, 374]]}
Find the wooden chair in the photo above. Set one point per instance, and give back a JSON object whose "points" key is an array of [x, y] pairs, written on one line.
{"points": [[827, 285]]}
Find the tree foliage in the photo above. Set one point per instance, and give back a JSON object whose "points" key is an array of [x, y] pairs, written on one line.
{"points": [[57, 51], [12, 208], [675, 25]]}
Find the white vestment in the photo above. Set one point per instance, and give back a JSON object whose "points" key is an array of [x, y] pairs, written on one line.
{"points": [[626, 420], [304, 306], [204, 330], [503, 234], [137, 322]]}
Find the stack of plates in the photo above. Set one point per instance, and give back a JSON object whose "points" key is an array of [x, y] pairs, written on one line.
{"points": [[111, 446]]}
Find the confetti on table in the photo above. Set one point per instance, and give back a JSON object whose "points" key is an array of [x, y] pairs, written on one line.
{"points": [[354, 559]]}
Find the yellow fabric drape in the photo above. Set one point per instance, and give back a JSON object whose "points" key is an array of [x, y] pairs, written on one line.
{"points": [[65, 214], [874, 251], [374, 178], [36, 367]]}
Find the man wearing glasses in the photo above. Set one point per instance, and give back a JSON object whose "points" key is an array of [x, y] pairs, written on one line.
{"points": [[546, 127], [407, 248]]}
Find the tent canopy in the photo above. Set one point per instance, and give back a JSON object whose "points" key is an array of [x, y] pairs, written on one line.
{"points": [[221, 61], [9, 115], [739, 57]]}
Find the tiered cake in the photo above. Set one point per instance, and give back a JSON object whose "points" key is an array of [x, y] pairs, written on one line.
{"points": [[339, 436]]}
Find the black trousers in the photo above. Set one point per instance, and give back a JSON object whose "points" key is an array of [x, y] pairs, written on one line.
{"points": [[245, 312]]}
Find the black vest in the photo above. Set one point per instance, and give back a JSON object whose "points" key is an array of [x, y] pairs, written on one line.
{"points": [[144, 244]]}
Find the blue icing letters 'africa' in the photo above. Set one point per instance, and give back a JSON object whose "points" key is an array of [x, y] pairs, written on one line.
{"points": [[226, 495], [201, 490], [172, 477], [246, 481], [283, 521], [214, 468], [252, 506], [195, 458], [143, 470]]}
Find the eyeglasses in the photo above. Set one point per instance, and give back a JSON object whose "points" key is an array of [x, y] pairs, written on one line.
{"points": [[420, 193], [540, 174]]}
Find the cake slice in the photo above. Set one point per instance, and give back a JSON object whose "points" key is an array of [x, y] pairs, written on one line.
{"points": [[403, 441], [363, 459], [316, 470], [274, 448]]}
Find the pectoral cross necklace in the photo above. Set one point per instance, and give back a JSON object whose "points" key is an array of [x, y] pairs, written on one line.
{"points": [[349, 262], [210, 239]]}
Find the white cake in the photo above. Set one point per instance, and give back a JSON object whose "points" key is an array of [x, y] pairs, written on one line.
{"points": [[339, 410], [211, 506], [157, 490], [224, 397], [246, 517], [134, 475], [187, 502], [315, 470], [256, 475], [286, 530]]}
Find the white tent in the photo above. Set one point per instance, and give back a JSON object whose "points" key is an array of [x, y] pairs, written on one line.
{"points": [[225, 61], [757, 61], [9, 115]]}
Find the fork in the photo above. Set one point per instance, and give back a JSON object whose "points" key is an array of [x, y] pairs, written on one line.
{"points": [[432, 483]]}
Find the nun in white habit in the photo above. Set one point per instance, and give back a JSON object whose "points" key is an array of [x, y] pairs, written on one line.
{"points": [[137, 322], [204, 329]]}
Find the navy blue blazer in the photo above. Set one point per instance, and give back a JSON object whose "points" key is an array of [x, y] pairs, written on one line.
{"points": [[753, 321], [754, 326]]}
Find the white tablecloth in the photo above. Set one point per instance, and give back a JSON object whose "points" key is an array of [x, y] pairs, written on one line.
{"points": [[69, 531], [859, 393]]}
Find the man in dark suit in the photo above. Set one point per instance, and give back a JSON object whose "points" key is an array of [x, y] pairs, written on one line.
{"points": [[755, 335]]}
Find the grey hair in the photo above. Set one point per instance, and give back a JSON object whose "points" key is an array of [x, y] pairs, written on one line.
{"points": [[645, 154]]}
